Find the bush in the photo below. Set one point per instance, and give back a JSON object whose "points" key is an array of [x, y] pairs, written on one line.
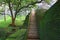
{"points": [[25, 24], [49, 26], [2, 34], [19, 35]]}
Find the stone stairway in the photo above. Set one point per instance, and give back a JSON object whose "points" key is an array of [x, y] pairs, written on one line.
{"points": [[32, 29]]}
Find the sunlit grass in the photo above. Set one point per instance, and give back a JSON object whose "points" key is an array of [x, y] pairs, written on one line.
{"points": [[19, 21]]}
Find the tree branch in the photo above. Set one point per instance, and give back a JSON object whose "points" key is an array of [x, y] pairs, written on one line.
{"points": [[10, 8], [28, 5], [17, 7]]}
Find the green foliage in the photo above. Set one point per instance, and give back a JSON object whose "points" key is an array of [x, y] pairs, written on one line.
{"points": [[19, 35], [49, 26], [1, 10], [26, 22], [19, 3], [40, 12], [1, 1], [2, 34], [19, 21], [48, 1], [4, 29]]}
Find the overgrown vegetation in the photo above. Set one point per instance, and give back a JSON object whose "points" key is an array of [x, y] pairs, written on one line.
{"points": [[6, 30], [14, 26], [49, 25], [19, 21]]}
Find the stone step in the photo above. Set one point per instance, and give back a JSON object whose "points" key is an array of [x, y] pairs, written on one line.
{"points": [[33, 39], [32, 26], [33, 35], [32, 32]]}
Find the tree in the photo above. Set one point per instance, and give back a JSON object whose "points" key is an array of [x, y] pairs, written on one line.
{"points": [[17, 5], [2, 11]]}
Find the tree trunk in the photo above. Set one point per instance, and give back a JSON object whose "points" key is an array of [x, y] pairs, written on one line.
{"points": [[13, 22], [4, 17]]}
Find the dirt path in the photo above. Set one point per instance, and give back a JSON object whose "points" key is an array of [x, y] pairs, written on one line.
{"points": [[32, 29]]}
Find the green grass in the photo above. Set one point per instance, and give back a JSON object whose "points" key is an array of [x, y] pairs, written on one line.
{"points": [[4, 24], [19, 21]]}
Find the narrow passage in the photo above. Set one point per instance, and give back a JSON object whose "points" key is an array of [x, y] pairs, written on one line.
{"points": [[32, 29]]}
